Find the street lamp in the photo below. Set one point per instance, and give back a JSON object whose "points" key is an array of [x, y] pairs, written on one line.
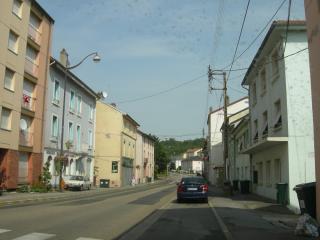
{"points": [[96, 58]]}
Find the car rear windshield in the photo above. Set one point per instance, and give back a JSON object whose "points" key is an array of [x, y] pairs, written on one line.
{"points": [[78, 178], [193, 181]]}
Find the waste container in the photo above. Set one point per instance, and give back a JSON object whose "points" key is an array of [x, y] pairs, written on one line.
{"points": [[235, 185], [245, 186], [306, 194], [104, 183], [282, 193]]}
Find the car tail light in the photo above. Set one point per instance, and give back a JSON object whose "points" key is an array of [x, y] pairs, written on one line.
{"points": [[204, 187], [180, 188]]}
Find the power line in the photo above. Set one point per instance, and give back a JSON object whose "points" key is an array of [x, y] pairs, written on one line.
{"points": [[259, 34], [235, 52], [287, 27], [162, 92]]}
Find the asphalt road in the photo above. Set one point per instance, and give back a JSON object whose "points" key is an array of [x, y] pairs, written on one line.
{"points": [[148, 212]]}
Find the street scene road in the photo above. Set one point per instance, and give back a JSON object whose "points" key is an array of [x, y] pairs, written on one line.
{"points": [[148, 212]]}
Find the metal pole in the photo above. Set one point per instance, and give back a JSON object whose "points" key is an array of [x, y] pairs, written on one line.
{"points": [[225, 124], [61, 159]]}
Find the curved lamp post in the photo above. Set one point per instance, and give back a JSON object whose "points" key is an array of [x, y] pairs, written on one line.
{"points": [[96, 58]]}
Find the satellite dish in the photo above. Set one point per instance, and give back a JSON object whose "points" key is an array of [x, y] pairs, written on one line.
{"points": [[23, 124], [104, 94]]}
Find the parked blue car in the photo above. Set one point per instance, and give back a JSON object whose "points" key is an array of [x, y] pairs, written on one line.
{"points": [[194, 188]]}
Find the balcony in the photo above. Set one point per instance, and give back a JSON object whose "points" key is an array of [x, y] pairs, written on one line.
{"points": [[31, 68], [27, 102], [264, 143], [26, 138], [34, 34]]}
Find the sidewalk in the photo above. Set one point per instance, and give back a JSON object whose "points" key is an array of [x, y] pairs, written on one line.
{"points": [[248, 216], [12, 198]]}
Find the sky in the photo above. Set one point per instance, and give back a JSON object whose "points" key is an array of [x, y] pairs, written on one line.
{"points": [[155, 53]]}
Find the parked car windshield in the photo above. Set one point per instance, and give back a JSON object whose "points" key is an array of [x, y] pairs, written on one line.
{"points": [[193, 180], [78, 178]]}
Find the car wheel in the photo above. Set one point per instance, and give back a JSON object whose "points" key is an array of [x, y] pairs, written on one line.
{"points": [[205, 200], [81, 188], [179, 200]]}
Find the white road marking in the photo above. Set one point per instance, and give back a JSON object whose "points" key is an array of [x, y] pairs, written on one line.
{"points": [[4, 230], [82, 238], [35, 236]]}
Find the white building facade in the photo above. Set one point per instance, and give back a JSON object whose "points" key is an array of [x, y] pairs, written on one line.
{"points": [[214, 165], [79, 124], [281, 120]]}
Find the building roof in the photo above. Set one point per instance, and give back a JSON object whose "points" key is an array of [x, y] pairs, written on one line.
{"points": [[76, 80], [37, 5], [128, 117], [276, 24], [147, 135], [221, 108], [192, 150]]}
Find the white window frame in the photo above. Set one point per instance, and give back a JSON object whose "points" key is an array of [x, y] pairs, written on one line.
{"points": [[9, 121], [12, 80], [71, 140], [14, 48], [72, 109], [91, 112], [56, 99], [78, 137], [79, 105], [52, 132]]}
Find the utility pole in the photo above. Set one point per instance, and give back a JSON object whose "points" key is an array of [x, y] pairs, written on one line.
{"points": [[211, 73]]}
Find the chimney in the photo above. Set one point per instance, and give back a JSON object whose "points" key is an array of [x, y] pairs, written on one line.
{"points": [[64, 58], [114, 105]]}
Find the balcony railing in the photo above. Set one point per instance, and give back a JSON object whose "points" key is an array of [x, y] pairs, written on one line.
{"points": [[26, 138], [27, 102], [34, 34], [31, 68]]}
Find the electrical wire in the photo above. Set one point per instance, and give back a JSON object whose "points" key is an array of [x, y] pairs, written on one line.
{"points": [[162, 92], [240, 34], [259, 34]]}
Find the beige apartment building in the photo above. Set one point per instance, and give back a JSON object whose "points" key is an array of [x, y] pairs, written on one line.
{"points": [[25, 40], [115, 139]]}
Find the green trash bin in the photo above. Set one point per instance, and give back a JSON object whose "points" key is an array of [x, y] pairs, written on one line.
{"points": [[282, 193]]}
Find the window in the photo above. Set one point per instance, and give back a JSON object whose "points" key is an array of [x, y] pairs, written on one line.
{"points": [[254, 93], [90, 139], [13, 42], [268, 173], [263, 81], [277, 171], [23, 167], [255, 127], [5, 122], [275, 62], [277, 114], [79, 104], [34, 21], [32, 54], [114, 167], [72, 103], [54, 127], [71, 133], [27, 97], [17, 7], [91, 110], [9, 79], [265, 124], [56, 92], [78, 138]]}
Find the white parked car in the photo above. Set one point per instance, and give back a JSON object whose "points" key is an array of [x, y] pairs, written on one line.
{"points": [[78, 182]]}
